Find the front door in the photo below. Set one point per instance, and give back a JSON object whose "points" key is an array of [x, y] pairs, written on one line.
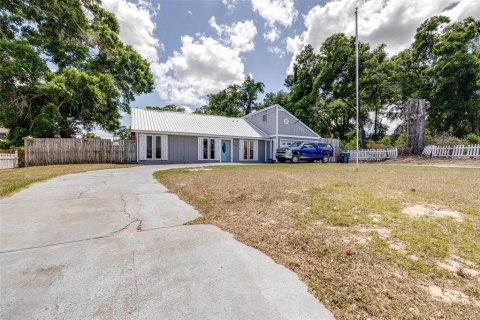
{"points": [[226, 145]]}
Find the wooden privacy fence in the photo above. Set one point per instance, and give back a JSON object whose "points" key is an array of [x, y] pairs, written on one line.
{"points": [[335, 143], [458, 151], [8, 160], [373, 154], [44, 151]]}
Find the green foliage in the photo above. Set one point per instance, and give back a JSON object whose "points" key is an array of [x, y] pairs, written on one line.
{"points": [[473, 138], [91, 74], [442, 65], [234, 101], [168, 107], [90, 135]]}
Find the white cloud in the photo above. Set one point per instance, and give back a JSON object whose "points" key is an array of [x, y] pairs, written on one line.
{"points": [[277, 51], [272, 34], [380, 21], [200, 67], [230, 4], [275, 12], [238, 36], [136, 27]]}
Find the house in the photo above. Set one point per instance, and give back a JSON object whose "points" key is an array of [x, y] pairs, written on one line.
{"points": [[175, 137]]}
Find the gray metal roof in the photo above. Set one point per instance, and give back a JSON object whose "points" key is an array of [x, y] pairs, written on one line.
{"points": [[193, 124]]}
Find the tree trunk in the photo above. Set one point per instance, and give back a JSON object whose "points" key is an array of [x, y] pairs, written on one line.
{"points": [[416, 112]]}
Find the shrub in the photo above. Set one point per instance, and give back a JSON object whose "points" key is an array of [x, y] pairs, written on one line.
{"points": [[473, 138]]}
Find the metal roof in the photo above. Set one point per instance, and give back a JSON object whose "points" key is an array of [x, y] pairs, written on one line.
{"points": [[193, 124]]}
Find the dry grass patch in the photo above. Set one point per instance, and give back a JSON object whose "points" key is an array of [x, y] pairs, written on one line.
{"points": [[346, 234], [12, 180]]}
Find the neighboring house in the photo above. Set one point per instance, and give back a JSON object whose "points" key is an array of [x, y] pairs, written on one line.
{"points": [[175, 137], [3, 133]]}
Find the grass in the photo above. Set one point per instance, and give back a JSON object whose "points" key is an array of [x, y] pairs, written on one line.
{"points": [[12, 180], [306, 217]]}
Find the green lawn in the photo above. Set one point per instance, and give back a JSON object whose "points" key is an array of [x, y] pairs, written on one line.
{"points": [[413, 232]]}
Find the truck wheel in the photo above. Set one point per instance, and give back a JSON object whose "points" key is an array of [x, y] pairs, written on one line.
{"points": [[295, 159], [325, 158]]}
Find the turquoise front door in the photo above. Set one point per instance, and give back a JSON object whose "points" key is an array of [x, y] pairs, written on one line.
{"points": [[226, 145]]}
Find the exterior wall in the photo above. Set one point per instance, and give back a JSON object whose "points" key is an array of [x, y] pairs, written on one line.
{"points": [[269, 125], [184, 149], [289, 125]]}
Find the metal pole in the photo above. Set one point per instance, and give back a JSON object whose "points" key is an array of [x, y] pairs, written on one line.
{"points": [[356, 73]]}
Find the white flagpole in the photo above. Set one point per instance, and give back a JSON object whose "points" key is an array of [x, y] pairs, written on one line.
{"points": [[356, 73]]}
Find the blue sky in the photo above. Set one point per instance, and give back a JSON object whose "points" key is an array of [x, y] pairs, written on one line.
{"points": [[196, 47]]}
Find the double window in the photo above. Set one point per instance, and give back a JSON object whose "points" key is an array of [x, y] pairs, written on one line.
{"points": [[155, 147], [208, 148], [248, 150]]}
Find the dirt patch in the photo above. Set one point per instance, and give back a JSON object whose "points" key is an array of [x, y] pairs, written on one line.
{"points": [[460, 267], [450, 295], [420, 210]]}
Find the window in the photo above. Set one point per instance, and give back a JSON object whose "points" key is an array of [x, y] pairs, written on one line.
{"points": [[154, 147], [212, 148], [149, 147], [264, 118], [207, 149], [308, 146], [248, 150], [158, 147]]}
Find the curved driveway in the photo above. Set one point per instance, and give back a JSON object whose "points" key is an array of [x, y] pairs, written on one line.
{"points": [[111, 244]]}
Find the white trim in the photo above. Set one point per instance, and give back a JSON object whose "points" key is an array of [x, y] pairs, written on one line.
{"points": [[276, 120], [294, 136], [218, 156], [198, 135]]}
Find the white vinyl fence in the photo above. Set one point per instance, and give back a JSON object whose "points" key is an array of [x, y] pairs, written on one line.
{"points": [[373, 154], [8, 160], [458, 151]]}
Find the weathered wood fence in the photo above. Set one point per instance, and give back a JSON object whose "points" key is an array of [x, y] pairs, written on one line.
{"points": [[373, 154], [457, 151], [335, 143], [45, 151], [8, 160]]}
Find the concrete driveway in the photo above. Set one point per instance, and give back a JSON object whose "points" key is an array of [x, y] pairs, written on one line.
{"points": [[111, 244]]}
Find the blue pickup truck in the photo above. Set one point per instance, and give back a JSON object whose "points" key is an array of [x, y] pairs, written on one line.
{"points": [[308, 151]]}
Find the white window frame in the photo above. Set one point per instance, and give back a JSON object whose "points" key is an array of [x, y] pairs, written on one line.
{"points": [[250, 144], [217, 146], [142, 139]]}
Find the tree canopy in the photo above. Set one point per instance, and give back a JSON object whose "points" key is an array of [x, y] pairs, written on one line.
{"points": [[168, 107], [63, 67], [442, 65], [235, 100]]}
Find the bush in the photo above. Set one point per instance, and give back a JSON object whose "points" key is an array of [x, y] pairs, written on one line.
{"points": [[444, 139], [473, 138]]}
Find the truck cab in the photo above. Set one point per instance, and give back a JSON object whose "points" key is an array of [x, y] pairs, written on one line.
{"points": [[305, 151]]}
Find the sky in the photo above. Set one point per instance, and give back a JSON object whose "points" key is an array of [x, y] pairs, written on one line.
{"points": [[197, 47]]}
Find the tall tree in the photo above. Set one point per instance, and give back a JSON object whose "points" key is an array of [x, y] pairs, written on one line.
{"points": [[168, 107], [235, 100], [63, 66], [249, 94], [442, 66]]}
